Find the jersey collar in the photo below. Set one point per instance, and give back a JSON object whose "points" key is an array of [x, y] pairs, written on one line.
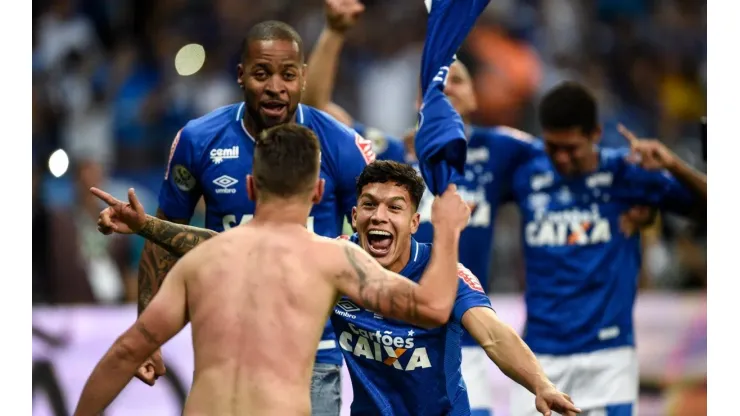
{"points": [[240, 118], [413, 258]]}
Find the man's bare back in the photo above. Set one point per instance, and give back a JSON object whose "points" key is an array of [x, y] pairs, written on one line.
{"points": [[257, 305]]}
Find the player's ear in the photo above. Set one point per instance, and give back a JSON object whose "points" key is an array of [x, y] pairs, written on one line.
{"points": [[251, 192], [304, 69], [240, 75], [354, 217], [318, 191], [473, 101], [415, 219]]}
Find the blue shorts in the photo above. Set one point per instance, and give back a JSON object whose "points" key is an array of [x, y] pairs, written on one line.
{"points": [[326, 390]]}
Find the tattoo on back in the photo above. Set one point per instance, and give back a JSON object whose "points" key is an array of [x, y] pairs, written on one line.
{"points": [[377, 291]]}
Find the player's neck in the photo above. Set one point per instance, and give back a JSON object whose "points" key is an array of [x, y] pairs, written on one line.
{"points": [[253, 127], [282, 211], [402, 260], [592, 164]]}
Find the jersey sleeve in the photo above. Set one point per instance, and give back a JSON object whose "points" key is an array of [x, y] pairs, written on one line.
{"points": [[659, 189], [512, 147], [180, 190], [470, 293], [385, 147], [354, 154]]}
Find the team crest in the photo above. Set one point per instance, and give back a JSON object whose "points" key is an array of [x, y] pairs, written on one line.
{"points": [[184, 180]]}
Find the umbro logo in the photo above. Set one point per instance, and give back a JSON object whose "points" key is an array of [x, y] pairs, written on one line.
{"points": [[225, 183], [347, 306]]}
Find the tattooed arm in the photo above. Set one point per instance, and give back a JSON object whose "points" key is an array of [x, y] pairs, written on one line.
{"points": [[427, 304], [162, 320], [153, 267], [176, 238]]}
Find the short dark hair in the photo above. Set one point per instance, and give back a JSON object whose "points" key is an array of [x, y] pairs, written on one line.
{"points": [[286, 160], [569, 105], [271, 30], [382, 171]]}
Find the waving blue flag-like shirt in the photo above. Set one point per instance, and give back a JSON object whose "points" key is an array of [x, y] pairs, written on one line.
{"points": [[440, 140]]}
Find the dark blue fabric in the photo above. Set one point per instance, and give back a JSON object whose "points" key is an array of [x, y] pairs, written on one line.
{"points": [[440, 138]]}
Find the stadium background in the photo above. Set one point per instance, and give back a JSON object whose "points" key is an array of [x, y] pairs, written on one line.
{"points": [[106, 91]]}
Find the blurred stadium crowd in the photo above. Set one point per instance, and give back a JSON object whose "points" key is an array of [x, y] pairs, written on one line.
{"points": [[106, 92]]}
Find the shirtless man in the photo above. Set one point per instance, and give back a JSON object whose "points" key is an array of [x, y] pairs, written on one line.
{"points": [[258, 295]]}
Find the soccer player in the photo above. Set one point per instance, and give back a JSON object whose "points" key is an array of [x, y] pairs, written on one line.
{"points": [[341, 16], [247, 360], [581, 271], [399, 369], [211, 156]]}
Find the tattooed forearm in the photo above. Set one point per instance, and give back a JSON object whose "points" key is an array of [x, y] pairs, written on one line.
{"points": [[177, 239], [154, 265], [378, 291]]}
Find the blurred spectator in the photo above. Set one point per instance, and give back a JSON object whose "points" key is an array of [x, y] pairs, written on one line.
{"points": [[86, 266], [61, 31]]}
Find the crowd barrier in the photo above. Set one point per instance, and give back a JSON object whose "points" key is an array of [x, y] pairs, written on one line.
{"points": [[68, 342]]}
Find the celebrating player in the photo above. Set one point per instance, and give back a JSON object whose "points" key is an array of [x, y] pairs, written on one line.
{"points": [[231, 287], [211, 156], [581, 272], [341, 15], [398, 368]]}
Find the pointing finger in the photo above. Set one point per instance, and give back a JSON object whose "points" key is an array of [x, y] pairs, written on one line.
{"points": [[631, 138], [134, 201], [104, 196]]}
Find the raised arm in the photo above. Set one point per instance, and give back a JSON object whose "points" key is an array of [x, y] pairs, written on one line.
{"points": [[176, 238], [164, 318], [655, 156], [323, 62]]}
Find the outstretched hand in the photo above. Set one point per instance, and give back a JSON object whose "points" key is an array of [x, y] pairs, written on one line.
{"points": [[651, 154], [552, 400], [120, 217]]}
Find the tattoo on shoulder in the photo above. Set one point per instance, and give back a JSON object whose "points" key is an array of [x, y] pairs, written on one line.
{"points": [[145, 332], [377, 290]]}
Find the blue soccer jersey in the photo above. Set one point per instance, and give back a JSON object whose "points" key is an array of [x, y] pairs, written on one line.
{"points": [[400, 369], [212, 156], [386, 147], [581, 269]]}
